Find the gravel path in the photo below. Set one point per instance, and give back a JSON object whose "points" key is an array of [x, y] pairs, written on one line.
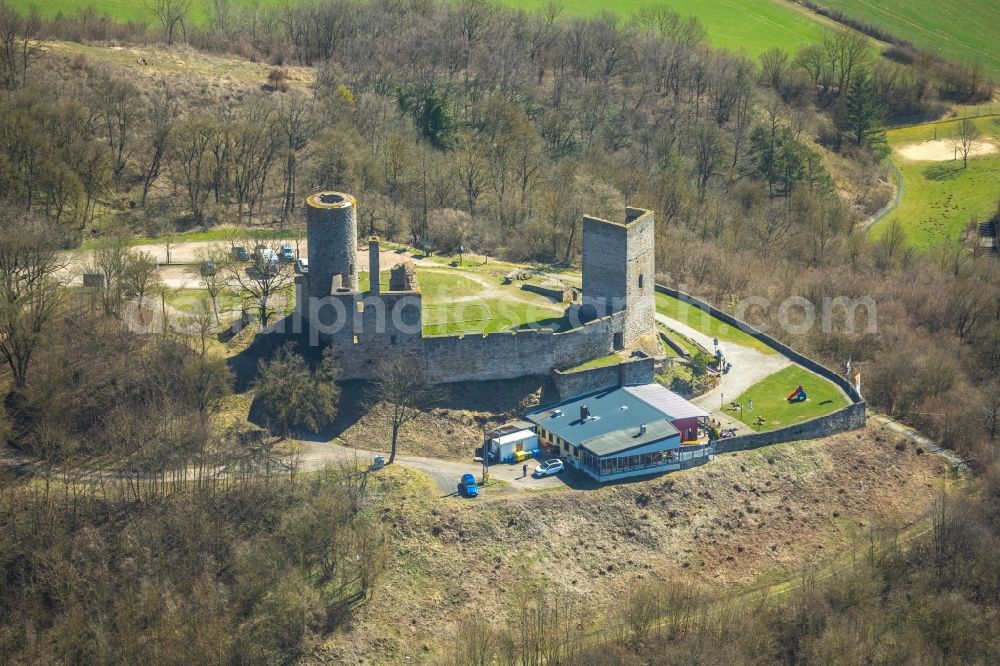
{"points": [[446, 473], [749, 366], [182, 272]]}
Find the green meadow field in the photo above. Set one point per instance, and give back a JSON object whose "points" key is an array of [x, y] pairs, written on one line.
{"points": [[966, 31], [940, 197], [749, 25], [753, 26], [958, 30]]}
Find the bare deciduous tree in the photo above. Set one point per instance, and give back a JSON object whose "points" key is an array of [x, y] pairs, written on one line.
{"points": [[171, 14], [20, 46], [254, 143], [399, 391], [30, 287], [139, 279], [213, 263], [192, 162], [966, 140], [110, 258], [161, 119], [296, 123], [262, 276], [118, 107]]}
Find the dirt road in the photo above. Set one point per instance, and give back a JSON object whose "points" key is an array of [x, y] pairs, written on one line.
{"points": [[182, 271], [446, 473]]}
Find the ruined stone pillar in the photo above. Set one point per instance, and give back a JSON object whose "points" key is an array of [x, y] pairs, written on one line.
{"points": [[373, 265]]}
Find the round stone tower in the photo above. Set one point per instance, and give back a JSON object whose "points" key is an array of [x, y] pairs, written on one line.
{"points": [[332, 233]]}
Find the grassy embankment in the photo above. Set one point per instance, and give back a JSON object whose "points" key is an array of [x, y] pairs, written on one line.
{"points": [[749, 522], [705, 323]]}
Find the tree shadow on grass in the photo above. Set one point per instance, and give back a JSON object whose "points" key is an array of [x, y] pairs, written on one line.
{"points": [[942, 171], [557, 324]]}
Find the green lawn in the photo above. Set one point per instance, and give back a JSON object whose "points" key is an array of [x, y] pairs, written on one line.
{"points": [[684, 343], [599, 362], [441, 287], [190, 301], [435, 287], [749, 25], [478, 311], [769, 399], [958, 30], [488, 315], [364, 281], [705, 323], [941, 197]]}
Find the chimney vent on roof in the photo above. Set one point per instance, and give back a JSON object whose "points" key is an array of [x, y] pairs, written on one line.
{"points": [[584, 412]]}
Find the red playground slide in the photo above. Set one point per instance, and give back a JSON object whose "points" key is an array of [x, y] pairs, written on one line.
{"points": [[797, 394]]}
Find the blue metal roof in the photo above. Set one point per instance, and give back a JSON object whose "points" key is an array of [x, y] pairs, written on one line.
{"points": [[611, 410], [627, 439]]}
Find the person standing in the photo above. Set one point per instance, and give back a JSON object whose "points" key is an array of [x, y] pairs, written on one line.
{"points": [[524, 470]]}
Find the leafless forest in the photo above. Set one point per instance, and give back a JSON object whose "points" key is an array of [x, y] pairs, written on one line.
{"points": [[150, 529]]}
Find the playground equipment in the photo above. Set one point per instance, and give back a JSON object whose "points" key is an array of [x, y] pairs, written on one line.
{"points": [[798, 395]]}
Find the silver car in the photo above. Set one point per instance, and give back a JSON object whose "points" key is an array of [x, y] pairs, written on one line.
{"points": [[548, 468]]}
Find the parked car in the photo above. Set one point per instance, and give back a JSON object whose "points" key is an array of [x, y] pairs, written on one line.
{"points": [[548, 468], [302, 266], [467, 486], [208, 268], [266, 259], [286, 252], [240, 253]]}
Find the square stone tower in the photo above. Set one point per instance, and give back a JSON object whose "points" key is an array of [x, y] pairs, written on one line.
{"points": [[619, 268]]}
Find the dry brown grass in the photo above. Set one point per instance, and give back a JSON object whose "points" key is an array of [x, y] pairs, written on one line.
{"points": [[450, 428], [747, 518]]}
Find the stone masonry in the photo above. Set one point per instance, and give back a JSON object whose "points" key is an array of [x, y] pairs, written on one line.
{"points": [[618, 305], [619, 269]]}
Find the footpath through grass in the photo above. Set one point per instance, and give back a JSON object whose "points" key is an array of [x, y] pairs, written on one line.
{"points": [[703, 322], [487, 315], [770, 399], [959, 30], [941, 197]]}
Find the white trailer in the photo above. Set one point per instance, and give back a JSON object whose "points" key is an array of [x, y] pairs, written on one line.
{"points": [[506, 447]]}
